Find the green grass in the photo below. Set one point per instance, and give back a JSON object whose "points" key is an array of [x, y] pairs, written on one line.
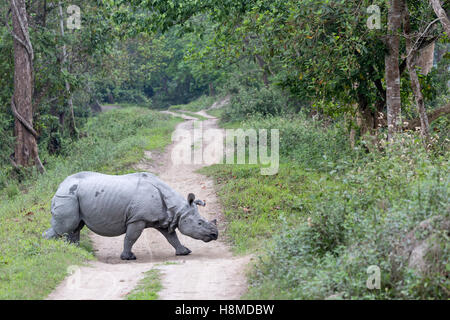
{"points": [[201, 103], [331, 212], [179, 113], [31, 267], [148, 287], [195, 115], [255, 204], [216, 112]]}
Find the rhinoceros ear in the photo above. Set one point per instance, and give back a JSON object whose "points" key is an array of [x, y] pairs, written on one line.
{"points": [[190, 198]]}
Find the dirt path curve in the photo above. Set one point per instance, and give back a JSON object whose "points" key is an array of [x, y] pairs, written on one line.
{"points": [[211, 271]]}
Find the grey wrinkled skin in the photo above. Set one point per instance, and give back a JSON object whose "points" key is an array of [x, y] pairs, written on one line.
{"points": [[113, 205]]}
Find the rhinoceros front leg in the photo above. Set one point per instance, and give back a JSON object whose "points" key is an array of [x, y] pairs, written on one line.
{"points": [[134, 231], [180, 250]]}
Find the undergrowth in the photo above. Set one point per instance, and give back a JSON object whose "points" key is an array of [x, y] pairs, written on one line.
{"points": [[332, 211]]}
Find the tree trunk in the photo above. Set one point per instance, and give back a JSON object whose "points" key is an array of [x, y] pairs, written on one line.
{"points": [[440, 13], [262, 65], [165, 85], [212, 91], [415, 84], [26, 150], [367, 121], [393, 101], [72, 126]]}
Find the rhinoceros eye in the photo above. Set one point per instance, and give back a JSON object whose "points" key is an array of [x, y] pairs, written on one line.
{"points": [[199, 223]]}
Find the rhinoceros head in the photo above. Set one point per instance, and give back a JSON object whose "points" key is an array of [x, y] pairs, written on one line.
{"points": [[194, 225]]}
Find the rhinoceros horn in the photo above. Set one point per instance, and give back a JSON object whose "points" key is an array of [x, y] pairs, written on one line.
{"points": [[200, 203]]}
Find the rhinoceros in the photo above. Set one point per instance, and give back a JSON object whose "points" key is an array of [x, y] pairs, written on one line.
{"points": [[113, 205]]}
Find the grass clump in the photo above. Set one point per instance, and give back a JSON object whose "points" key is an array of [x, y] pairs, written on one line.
{"points": [[148, 287]]}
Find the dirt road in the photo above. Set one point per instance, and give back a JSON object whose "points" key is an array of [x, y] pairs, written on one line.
{"points": [[209, 272]]}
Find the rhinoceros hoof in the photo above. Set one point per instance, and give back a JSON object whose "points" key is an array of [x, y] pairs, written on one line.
{"points": [[127, 256], [183, 252]]}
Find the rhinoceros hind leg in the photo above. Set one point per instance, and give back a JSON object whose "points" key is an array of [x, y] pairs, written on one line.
{"points": [[180, 250], [134, 231], [74, 236]]}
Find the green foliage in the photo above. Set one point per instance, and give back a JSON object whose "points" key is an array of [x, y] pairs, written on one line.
{"points": [[363, 222], [256, 102], [131, 96], [323, 222], [30, 266], [335, 210], [148, 288], [7, 141], [321, 51], [203, 102], [297, 132], [154, 66]]}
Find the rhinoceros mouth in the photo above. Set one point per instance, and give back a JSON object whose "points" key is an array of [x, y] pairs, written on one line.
{"points": [[210, 237]]}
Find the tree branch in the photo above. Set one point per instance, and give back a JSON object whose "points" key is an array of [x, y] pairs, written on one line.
{"points": [[27, 45], [432, 115], [24, 122], [440, 13]]}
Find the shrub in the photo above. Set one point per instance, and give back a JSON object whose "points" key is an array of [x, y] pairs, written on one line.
{"points": [[367, 219], [131, 96], [306, 141], [252, 101], [7, 141], [204, 102]]}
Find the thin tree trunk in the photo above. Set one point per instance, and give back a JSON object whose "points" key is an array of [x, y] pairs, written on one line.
{"points": [[212, 91], [440, 13], [262, 65], [73, 127], [415, 84], [26, 149], [393, 101]]}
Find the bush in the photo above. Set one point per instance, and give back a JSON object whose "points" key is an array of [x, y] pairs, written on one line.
{"points": [[131, 96], [367, 219], [307, 142], [332, 211], [252, 101], [204, 102], [7, 141]]}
